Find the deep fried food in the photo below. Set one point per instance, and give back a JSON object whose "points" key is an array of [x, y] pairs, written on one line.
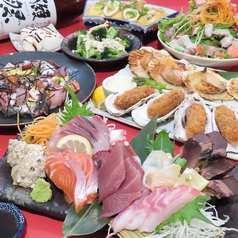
{"points": [[166, 103], [133, 96], [196, 120], [227, 123]]}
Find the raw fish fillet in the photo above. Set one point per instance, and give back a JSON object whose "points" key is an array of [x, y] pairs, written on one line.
{"points": [[92, 127], [75, 174], [154, 208], [120, 178], [162, 208]]}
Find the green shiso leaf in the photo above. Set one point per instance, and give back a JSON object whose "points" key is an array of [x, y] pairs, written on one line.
{"points": [[161, 142], [187, 213], [85, 222], [140, 81], [75, 109]]}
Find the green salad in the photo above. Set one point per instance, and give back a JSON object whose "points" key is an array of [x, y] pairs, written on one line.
{"points": [[100, 42], [208, 30]]}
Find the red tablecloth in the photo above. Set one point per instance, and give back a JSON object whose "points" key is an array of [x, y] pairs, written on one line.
{"points": [[41, 226]]}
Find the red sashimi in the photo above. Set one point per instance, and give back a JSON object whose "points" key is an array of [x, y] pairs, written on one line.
{"points": [[75, 174]]}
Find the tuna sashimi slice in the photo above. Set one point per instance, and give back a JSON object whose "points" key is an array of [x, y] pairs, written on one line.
{"points": [[112, 173], [129, 191]]}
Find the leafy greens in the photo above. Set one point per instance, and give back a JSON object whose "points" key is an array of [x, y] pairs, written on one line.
{"points": [[187, 213], [73, 108]]}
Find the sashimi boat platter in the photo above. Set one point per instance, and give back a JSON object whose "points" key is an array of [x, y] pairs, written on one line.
{"points": [[138, 188]]}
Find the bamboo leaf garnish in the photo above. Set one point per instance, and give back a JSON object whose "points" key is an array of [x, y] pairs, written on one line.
{"points": [[85, 222]]}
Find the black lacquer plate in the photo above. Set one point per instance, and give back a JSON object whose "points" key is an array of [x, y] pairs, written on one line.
{"points": [[69, 43], [77, 70]]}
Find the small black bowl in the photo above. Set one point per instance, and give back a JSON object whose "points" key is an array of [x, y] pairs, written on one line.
{"points": [[69, 43], [12, 221]]}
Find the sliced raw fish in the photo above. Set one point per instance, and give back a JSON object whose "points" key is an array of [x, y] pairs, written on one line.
{"points": [[111, 173], [143, 208], [92, 127], [163, 207], [149, 211], [129, 191], [123, 218], [129, 188], [75, 174]]}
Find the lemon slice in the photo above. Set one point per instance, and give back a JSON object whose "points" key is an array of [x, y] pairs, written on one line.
{"points": [[98, 98], [192, 178], [76, 143]]}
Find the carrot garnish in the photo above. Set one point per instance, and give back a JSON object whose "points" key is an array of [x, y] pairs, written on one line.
{"points": [[41, 129], [216, 12]]}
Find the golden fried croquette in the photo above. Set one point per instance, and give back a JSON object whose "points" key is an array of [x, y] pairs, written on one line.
{"points": [[227, 123], [166, 103], [196, 120], [133, 96]]}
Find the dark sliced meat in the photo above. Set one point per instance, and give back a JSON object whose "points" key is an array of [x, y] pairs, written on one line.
{"points": [[195, 148], [218, 169], [219, 145], [225, 187]]}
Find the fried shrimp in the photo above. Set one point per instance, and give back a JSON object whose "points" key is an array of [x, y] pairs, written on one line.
{"points": [[166, 103], [133, 96], [227, 123], [196, 120]]}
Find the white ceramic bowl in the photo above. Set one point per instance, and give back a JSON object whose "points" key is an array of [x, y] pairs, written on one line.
{"points": [[117, 83], [206, 62]]}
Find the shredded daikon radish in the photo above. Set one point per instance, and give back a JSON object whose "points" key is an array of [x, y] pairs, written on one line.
{"points": [[196, 229]]}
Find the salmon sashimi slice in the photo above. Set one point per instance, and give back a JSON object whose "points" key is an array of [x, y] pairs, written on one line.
{"points": [[89, 169], [75, 174]]}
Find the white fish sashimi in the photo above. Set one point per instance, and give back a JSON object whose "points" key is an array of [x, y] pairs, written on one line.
{"points": [[147, 213], [163, 207]]}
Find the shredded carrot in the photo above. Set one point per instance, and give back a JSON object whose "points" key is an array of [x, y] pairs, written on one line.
{"points": [[216, 12], [41, 129]]}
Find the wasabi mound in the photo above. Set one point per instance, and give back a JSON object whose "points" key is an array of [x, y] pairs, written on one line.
{"points": [[41, 191]]}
